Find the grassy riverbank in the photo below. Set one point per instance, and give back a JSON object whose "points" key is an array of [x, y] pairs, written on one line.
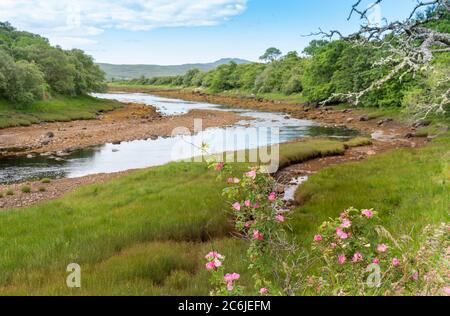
{"points": [[410, 188], [56, 109], [131, 235]]}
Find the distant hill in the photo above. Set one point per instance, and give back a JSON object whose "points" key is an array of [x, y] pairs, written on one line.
{"points": [[123, 72]]}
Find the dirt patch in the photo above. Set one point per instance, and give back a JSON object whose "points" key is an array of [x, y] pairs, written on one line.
{"points": [[134, 122]]}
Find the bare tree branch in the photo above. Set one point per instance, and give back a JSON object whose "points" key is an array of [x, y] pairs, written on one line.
{"points": [[410, 46]]}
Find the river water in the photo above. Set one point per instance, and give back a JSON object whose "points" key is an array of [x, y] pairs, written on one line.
{"points": [[264, 128]]}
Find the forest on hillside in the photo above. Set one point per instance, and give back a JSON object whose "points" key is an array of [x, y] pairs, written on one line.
{"points": [[31, 69]]}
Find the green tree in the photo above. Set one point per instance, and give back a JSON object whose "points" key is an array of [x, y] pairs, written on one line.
{"points": [[271, 54], [20, 82]]}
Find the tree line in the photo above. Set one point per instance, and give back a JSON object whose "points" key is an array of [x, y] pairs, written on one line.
{"points": [[31, 69], [325, 68]]}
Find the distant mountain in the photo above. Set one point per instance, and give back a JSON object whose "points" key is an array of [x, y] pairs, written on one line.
{"points": [[124, 72]]}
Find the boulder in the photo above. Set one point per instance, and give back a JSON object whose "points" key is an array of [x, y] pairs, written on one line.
{"points": [[421, 123], [364, 118], [384, 121]]}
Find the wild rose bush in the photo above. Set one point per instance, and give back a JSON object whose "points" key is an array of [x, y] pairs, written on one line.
{"points": [[258, 214], [224, 284], [360, 257], [351, 255]]}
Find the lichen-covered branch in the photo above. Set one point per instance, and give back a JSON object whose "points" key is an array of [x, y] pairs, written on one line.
{"points": [[409, 46]]}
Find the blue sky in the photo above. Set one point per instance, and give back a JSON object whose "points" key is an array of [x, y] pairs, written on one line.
{"points": [[185, 31]]}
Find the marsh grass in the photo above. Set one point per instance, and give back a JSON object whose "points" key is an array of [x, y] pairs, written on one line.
{"points": [[358, 142], [147, 233], [176, 210], [298, 152], [56, 109], [178, 202], [409, 187], [25, 189]]}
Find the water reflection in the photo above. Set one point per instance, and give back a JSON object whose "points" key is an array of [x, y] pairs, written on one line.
{"points": [[146, 153]]}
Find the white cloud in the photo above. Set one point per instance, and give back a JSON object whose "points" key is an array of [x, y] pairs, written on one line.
{"points": [[72, 22]]}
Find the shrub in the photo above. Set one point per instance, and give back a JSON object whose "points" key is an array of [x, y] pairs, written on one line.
{"points": [[46, 180], [42, 189], [26, 189], [9, 192], [358, 256]]}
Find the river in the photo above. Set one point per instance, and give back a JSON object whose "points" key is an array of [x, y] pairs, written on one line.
{"points": [[137, 154]]}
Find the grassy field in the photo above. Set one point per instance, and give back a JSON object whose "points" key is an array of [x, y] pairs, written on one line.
{"points": [[56, 109], [144, 233], [147, 233], [101, 224], [410, 188]]}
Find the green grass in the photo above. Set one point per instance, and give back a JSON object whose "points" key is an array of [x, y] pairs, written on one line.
{"points": [[56, 109], [98, 222], [358, 142], [177, 209], [147, 233], [25, 189], [298, 152], [46, 180], [9, 192], [409, 187]]}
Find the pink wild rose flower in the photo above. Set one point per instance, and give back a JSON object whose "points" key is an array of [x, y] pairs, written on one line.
{"points": [[210, 266], [342, 259], [263, 291], [230, 277], [251, 174], [219, 166], [346, 223], [357, 257], [318, 238], [280, 218], [248, 203], [214, 255], [272, 196], [367, 213], [395, 262], [237, 206], [341, 234], [257, 235], [382, 248]]}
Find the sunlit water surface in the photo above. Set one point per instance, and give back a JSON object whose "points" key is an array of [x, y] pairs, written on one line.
{"points": [[264, 128]]}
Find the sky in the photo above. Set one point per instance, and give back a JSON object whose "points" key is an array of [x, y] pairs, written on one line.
{"points": [[169, 32]]}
